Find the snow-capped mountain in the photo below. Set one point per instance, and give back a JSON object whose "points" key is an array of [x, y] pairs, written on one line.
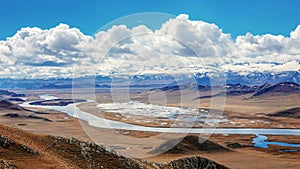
{"points": [[155, 80]]}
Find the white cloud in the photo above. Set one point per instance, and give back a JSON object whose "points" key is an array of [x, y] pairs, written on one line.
{"points": [[33, 49], [207, 40], [267, 50], [179, 46], [33, 44], [296, 33]]}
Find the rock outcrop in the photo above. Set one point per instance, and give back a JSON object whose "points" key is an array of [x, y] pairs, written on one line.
{"points": [[6, 165], [194, 163]]}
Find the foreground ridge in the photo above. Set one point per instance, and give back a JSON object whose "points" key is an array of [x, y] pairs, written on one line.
{"points": [[22, 149]]}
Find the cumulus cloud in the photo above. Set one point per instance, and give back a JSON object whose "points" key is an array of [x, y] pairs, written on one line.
{"points": [[207, 40], [296, 33], [32, 48], [56, 44], [181, 45], [273, 53]]}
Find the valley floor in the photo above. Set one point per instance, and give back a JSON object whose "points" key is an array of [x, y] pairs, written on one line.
{"points": [[241, 152]]}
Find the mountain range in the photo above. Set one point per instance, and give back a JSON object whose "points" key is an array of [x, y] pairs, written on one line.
{"points": [[151, 81], [238, 89]]}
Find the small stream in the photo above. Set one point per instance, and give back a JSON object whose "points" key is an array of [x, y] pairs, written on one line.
{"points": [[260, 141]]}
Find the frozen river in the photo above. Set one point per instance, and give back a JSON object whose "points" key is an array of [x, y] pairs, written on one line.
{"points": [[96, 121]]}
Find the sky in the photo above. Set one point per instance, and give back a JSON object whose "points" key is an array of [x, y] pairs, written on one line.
{"points": [[236, 17], [54, 39]]}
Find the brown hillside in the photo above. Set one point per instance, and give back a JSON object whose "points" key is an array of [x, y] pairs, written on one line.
{"points": [[20, 149]]}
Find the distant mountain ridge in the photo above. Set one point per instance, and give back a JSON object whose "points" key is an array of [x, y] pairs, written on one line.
{"points": [[285, 88], [238, 89], [11, 94], [155, 80]]}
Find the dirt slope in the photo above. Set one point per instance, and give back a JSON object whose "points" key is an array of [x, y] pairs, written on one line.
{"points": [[20, 149]]}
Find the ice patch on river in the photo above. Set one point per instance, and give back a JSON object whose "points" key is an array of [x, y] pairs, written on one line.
{"points": [[48, 97], [136, 108]]}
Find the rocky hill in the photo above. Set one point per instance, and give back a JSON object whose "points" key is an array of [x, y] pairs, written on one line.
{"points": [[20, 149]]}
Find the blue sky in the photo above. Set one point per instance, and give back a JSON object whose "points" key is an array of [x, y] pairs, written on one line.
{"points": [[233, 16]]}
